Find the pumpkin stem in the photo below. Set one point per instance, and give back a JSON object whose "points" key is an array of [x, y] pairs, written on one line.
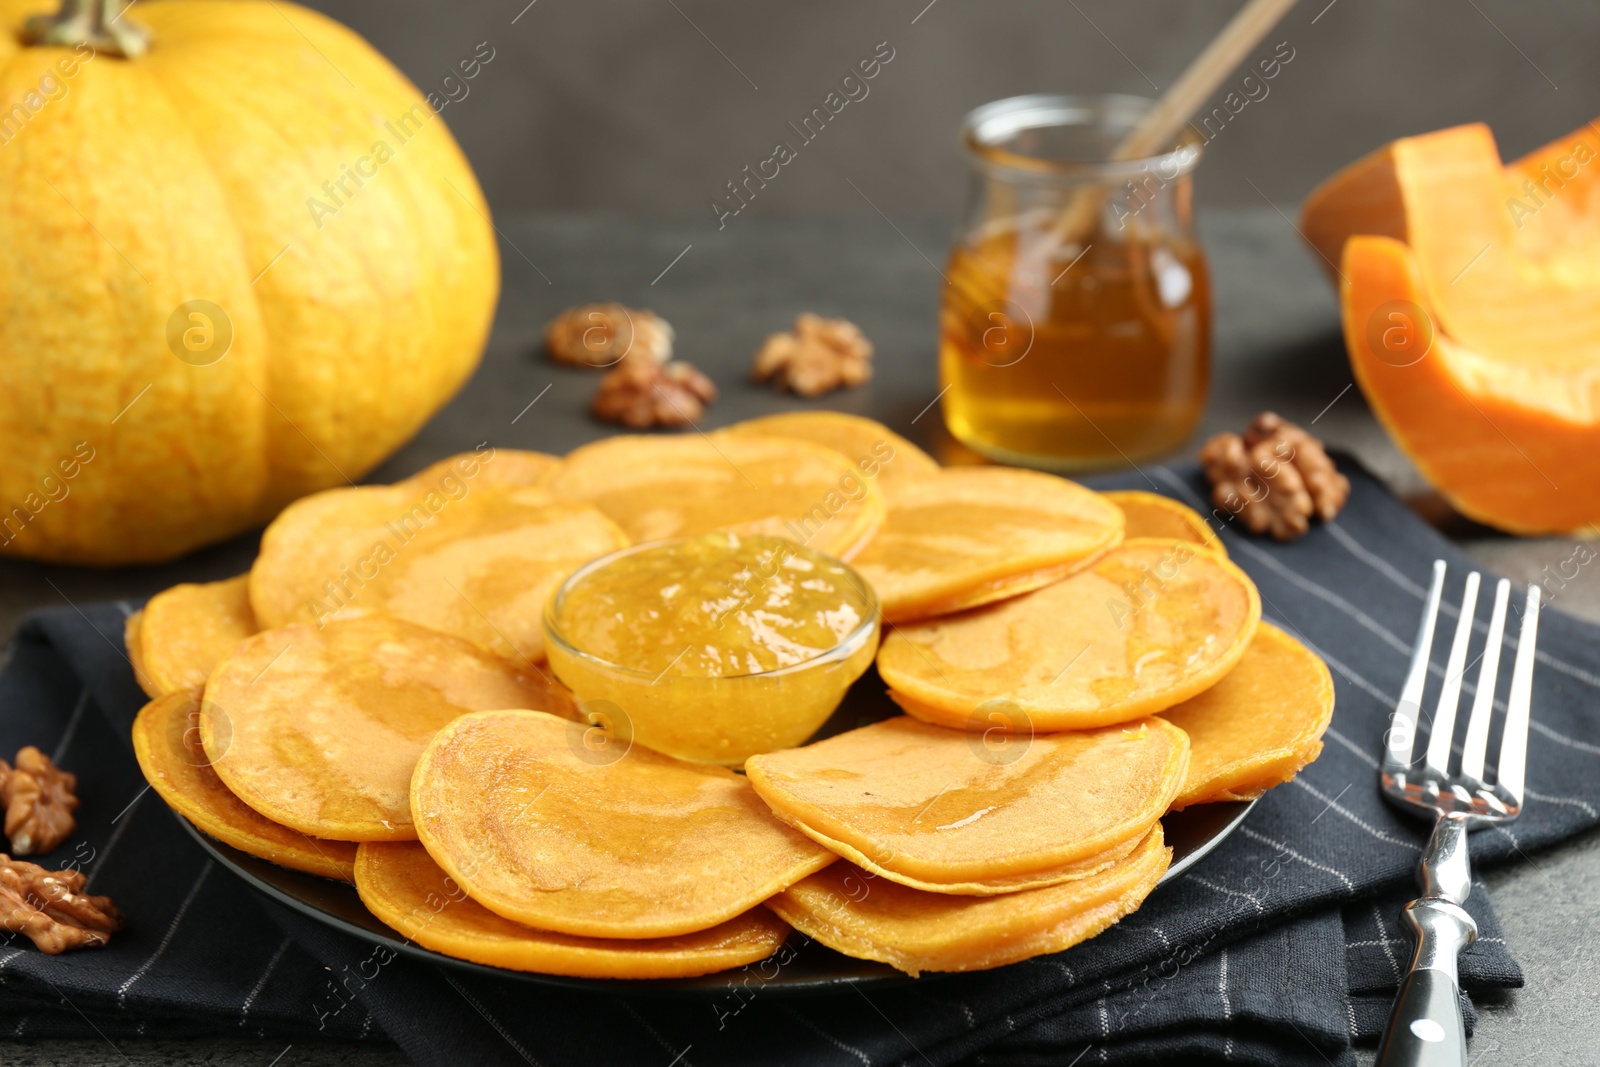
{"points": [[97, 23]]}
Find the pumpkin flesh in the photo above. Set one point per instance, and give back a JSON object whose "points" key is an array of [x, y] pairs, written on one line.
{"points": [[1503, 444], [1470, 313]]}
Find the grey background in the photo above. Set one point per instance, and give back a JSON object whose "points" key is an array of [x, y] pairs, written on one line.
{"points": [[648, 106]]}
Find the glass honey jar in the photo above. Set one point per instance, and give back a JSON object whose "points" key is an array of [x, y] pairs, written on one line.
{"points": [[1075, 323]]}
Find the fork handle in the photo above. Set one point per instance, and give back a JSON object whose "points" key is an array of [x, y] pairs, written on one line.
{"points": [[1426, 1029]]}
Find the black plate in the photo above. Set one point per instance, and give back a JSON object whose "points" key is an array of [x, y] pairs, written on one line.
{"points": [[814, 968]]}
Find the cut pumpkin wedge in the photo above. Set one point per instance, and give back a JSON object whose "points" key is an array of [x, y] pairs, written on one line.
{"points": [[1506, 255], [1505, 439], [1471, 300]]}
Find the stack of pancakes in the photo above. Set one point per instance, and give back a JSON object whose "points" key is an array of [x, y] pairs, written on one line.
{"points": [[370, 704]]}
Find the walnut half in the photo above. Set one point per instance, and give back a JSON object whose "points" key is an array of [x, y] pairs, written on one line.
{"points": [[1276, 477], [50, 908], [642, 395], [39, 802], [821, 355], [603, 335]]}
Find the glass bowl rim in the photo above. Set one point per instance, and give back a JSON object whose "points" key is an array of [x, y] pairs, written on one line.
{"points": [[847, 646], [984, 126]]}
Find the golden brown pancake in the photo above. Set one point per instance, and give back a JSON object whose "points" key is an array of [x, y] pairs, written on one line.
{"points": [[506, 467], [131, 627], [661, 487], [479, 563], [628, 843], [942, 806], [185, 631], [320, 729], [985, 887], [400, 884], [1258, 726], [1148, 625], [870, 918], [166, 741], [999, 589], [877, 451], [954, 533], [1154, 515]]}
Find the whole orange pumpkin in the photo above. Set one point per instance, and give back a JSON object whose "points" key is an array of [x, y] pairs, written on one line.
{"points": [[241, 266]]}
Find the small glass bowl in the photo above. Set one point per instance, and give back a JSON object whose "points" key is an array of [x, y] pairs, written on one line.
{"points": [[716, 719]]}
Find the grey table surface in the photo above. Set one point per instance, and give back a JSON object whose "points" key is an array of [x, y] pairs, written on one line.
{"points": [[1277, 346]]}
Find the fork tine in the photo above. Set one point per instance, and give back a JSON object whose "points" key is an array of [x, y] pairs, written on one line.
{"points": [[1477, 742], [1514, 741], [1444, 716], [1402, 733]]}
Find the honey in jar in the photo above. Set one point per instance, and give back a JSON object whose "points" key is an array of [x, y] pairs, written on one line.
{"points": [[1075, 323]]}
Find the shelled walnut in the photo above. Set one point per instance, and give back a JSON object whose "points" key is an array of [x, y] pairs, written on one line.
{"points": [[50, 908], [603, 335], [641, 395], [39, 802], [1276, 477], [821, 355]]}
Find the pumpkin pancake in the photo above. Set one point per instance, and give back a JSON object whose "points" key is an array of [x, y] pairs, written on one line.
{"points": [[320, 729], [543, 829], [1154, 515], [950, 534], [1258, 726], [1004, 588], [877, 451], [507, 467], [400, 884], [660, 487], [185, 631], [479, 564], [986, 887], [166, 741], [131, 628], [1148, 625], [937, 805], [848, 910]]}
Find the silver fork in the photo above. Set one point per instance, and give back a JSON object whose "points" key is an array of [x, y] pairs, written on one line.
{"points": [[1425, 1028]]}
